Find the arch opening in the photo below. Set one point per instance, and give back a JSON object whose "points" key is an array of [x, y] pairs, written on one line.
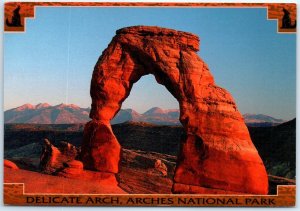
{"points": [[149, 135], [149, 102]]}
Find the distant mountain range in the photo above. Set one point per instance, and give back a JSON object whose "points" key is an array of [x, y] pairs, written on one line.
{"points": [[260, 120], [44, 113], [154, 115]]}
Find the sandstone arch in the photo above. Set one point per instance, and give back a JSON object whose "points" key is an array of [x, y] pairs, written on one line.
{"points": [[217, 155]]}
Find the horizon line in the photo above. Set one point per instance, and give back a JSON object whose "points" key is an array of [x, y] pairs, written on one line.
{"points": [[164, 109]]}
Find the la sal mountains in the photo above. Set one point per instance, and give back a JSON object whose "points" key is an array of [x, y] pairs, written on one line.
{"points": [[154, 115], [260, 120], [44, 113]]}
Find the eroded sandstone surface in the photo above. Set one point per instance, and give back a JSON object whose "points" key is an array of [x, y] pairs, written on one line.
{"points": [[54, 158], [217, 154]]}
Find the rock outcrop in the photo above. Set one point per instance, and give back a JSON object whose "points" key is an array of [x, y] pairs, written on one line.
{"points": [[73, 169], [10, 164], [161, 167], [54, 159], [217, 155]]}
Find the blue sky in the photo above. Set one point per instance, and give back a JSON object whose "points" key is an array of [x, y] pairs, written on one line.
{"points": [[53, 61]]}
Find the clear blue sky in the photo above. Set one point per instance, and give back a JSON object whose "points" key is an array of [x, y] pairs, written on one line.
{"points": [[53, 61]]}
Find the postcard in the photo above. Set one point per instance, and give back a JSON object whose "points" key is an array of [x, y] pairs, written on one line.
{"points": [[149, 104]]}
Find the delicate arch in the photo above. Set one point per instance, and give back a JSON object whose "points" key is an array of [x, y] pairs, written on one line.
{"points": [[217, 155]]}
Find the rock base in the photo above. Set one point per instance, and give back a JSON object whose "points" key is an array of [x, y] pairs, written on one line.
{"points": [[101, 178]]}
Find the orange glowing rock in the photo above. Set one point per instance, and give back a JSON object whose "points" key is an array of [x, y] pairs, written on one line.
{"points": [[10, 164], [217, 153]]}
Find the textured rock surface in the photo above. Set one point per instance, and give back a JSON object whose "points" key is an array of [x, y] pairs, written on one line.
{"points": [[100, 149], [217, 153], [161, 167], [73, 168], [138, 175], [49, 160], [53, 158], [92, 183]]}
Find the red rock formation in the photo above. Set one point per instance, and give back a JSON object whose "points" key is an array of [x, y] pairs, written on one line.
{"points": [[161, 167], [73, 168], [11, 165], [89, 183], [53, 159], [217, 153], [49, 158], [100, 149]]}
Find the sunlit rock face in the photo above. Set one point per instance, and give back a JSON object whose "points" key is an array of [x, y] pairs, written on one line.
{"points": [[217, 154]]}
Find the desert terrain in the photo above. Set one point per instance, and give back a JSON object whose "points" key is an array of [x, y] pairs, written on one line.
{"points": [[143, 146]]}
